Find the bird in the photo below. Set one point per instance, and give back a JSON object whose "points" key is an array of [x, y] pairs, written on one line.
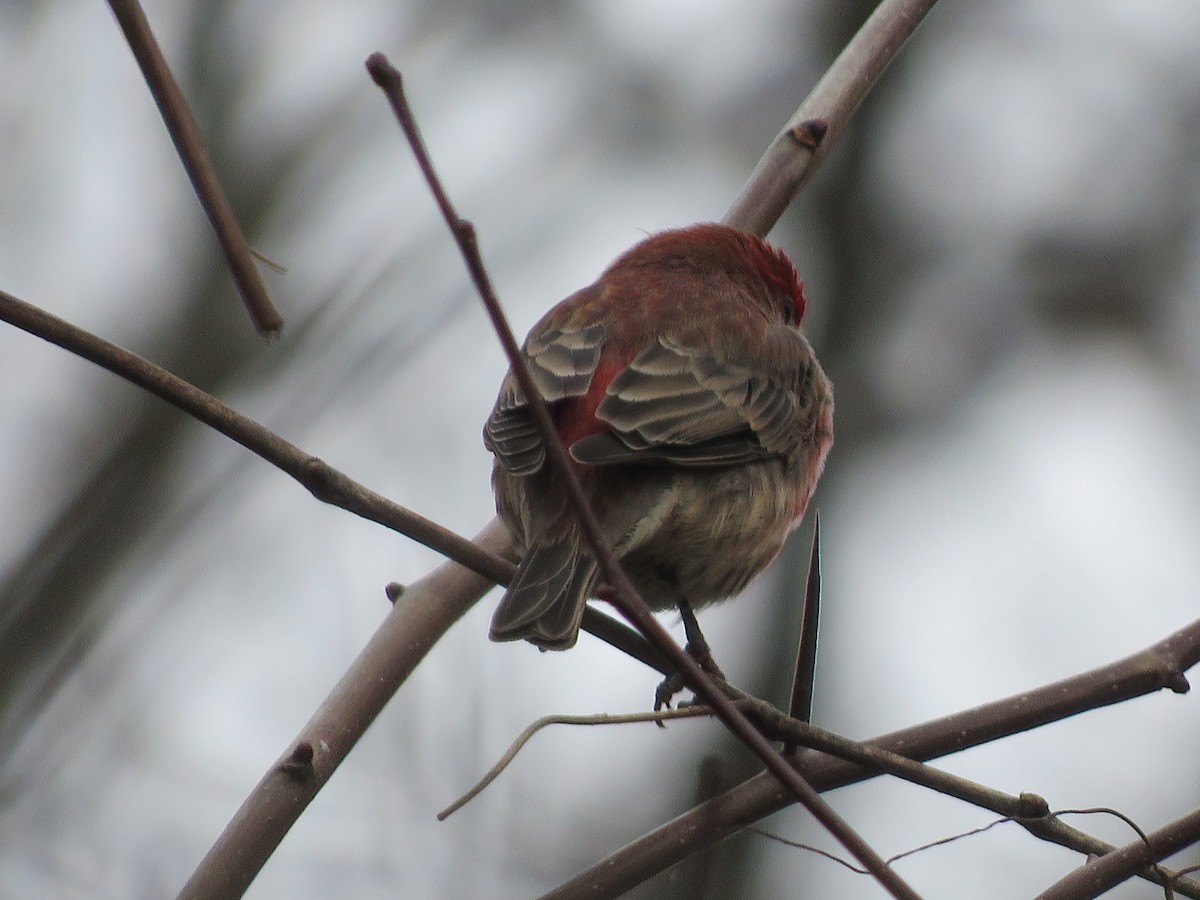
{"points": [[694, 413]]}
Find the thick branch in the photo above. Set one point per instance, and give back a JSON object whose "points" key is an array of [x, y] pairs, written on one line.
{"points": [[421, 615], [793, 156]]}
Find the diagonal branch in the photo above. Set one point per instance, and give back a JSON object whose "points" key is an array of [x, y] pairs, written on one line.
{"points": [[1099, 875], [323, 481], [806, 139], [185, 134], [422, 613], [628, 601], [327, 484], [1054, 830]]}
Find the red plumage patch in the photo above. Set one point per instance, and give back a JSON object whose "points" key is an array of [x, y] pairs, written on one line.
{"points": [[576, 418]]}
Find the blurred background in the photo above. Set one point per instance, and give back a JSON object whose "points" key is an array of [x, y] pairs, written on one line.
{"points": [[1003, 262]]}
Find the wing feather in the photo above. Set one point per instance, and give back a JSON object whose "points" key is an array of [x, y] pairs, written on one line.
{"points": [[691, 405], [562, 362]]}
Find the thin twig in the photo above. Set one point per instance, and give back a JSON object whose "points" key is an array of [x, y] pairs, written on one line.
{"points": [[185, 134], [629, 602], [894, 858], [659, 716], [1063, 834]]}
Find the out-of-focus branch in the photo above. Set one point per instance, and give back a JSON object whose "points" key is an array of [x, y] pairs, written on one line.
{"points": [[1155, 668], [794, 155], [185, 134], [421, 615]]}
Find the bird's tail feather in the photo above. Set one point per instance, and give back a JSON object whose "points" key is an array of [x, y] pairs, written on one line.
{"points": [[545, 602]]}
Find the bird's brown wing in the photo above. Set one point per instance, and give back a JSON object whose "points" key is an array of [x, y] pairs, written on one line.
{"points": [[686, 405], [562, 361]]}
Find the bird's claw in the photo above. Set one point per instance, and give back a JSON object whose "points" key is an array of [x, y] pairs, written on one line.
{"points": [[666, 690], [697, 648]]}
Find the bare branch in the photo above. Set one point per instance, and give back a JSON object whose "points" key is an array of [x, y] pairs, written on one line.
{"points": [[420, 617], [1099, 875], [1157, 667], [326, 483], [190, 145], [802, 144]]}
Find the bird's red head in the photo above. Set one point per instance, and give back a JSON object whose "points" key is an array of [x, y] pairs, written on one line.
{"points": [[777, 270], [743, 256]]}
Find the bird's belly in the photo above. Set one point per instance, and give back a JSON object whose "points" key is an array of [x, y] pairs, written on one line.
{"points": [[719, 532]]}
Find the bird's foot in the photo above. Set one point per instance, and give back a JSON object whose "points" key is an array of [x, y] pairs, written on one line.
{"points": [[698, 649]]}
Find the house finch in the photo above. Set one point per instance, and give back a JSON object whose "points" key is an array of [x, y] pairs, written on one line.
{"points": [[695, 414]]}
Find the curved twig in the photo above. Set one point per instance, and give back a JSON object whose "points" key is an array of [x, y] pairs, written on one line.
{"points": [[658, 716]]}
